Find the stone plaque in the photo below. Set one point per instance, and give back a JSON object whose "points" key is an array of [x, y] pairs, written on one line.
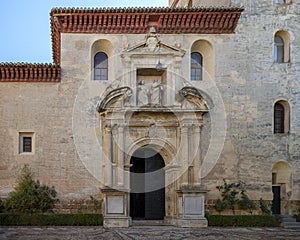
{"points": [[193, 205], [115, 204]]}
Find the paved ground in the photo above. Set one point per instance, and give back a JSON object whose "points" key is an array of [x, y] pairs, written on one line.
{"points": [[164, 233]]}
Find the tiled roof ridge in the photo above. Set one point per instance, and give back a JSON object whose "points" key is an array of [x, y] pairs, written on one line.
{"points": [[27, 64], [29, 72], [64, 10]]}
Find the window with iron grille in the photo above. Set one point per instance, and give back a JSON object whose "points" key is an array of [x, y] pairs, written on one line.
{"points": [[26, 142], [278, 118]]}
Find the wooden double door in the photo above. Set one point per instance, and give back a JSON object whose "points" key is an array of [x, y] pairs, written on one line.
{"points": [[147, 181]]}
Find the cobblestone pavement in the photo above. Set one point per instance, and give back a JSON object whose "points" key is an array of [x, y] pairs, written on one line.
{"points": [[165, 233]]}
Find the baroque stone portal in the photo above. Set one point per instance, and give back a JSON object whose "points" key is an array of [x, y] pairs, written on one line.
{"points": [[150, 128]]}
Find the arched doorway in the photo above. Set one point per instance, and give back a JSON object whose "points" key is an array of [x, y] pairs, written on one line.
{"points": [[281, 187], [147, 181]]}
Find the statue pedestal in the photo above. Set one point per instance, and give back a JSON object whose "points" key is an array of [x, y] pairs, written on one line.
{"points": [[115, 208], [193, 213]]}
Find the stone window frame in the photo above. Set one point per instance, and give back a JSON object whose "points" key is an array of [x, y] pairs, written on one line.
{"points": [[26, 135], [102, 46], [206, 49], [285, 46], [285, 121]]}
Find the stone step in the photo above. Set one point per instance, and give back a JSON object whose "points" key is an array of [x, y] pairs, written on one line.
{"points": [[148, 223], [290, 222], [293, 227], [288, 219]]}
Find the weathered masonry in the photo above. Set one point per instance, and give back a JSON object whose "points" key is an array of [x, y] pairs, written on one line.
{"points": [[151, 108]]}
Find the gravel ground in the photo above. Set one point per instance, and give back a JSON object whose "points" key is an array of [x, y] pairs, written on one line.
{"points": [[139, 232]]}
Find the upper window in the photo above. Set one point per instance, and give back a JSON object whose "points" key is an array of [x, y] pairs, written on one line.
{"points": [[196, 66], [281, 117], [101, 66], [282, 47], [278, 118], [278, 50]]}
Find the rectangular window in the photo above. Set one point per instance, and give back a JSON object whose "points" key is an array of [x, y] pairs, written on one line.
{"points": [[26, 142]]}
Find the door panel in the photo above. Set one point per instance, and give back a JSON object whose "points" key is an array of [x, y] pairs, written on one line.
{"points": [[137, 182], [276, 200], [154, 200]]}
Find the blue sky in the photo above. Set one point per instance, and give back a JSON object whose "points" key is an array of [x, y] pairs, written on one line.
{"points": [[25, 25]]}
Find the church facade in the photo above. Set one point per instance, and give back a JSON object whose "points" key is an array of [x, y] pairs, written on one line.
{"points": [[150, 109]]}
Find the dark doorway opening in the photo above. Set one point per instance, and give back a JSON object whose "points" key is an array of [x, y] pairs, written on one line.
{"points": [[147, 197], [276, 200]]}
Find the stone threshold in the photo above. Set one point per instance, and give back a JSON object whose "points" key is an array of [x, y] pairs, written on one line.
{"points": [[149, 223]]}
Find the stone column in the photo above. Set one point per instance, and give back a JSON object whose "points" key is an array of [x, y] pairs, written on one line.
{"points": [[195, 138], [190, 171], [114, 154], [107, 157], [184, 153], [120, 157]]}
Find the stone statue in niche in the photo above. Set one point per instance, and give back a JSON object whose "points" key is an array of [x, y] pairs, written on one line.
{"points": [[156, 93], [142, 94]]}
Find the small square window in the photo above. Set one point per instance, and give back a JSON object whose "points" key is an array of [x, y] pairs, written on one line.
{"points": [[26, 142]]}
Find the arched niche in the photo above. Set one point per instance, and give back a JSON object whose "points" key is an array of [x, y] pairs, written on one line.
{"points": [[206, 50], [282, 175], [105, 46]]}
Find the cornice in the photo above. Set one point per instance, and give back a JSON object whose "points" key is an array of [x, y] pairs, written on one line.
{"points": [[29, 72]]}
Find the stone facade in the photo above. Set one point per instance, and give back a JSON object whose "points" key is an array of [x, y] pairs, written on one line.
{"points": [[85, 131]]}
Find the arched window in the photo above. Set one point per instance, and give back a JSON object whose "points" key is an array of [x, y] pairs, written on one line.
{"points": [[282, 47], [278, 49], [278, 118], [100, 66], [196, 66], [281, 117]]}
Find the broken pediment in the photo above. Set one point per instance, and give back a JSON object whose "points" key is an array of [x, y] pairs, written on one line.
{"points": [[191, 98], [115, 98]]}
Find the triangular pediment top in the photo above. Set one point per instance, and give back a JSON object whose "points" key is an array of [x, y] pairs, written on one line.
{"points": [[161, 48], [152, 45]]}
